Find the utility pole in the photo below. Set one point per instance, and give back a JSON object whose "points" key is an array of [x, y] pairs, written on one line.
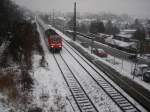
{"points": [[53, 18], [74, 26], [50, 17]]}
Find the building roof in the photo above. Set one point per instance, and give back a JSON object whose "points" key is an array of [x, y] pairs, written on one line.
{"points": [[125, 35]]}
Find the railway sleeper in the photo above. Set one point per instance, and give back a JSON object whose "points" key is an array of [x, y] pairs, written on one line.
{"points": [[120, 99], [121, 102], [76, 92], [129, 109], [101, 81], [72, 82], [81, 101], [71, 79], [111, 91], [76, 89], [81, 97], [70, 76], [114, 94], [79, 94], [90, 110], [106, 86], [87, 107], [74, 86], [103, 84], [117, 97], [125, 104]]}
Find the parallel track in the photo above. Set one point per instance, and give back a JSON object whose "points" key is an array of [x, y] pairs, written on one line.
{"points": [[81, 98], [122, 102]]}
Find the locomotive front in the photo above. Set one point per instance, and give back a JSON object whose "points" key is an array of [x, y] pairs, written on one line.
{"points": [[54, 40]]}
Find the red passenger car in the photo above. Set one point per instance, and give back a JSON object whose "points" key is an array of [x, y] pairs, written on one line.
{"points": [[54, 40]]}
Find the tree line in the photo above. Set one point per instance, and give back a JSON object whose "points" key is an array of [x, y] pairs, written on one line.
{"points": [[9, 15], [96, 27], [21, 33]]}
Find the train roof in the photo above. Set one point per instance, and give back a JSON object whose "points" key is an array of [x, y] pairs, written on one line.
{"points": [[50, 32]]}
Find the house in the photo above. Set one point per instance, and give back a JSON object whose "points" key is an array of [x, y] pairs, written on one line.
{"points": [[123, 40]]}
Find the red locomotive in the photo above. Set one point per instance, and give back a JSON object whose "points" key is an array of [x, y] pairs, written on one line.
{"points": [[54, 40]]}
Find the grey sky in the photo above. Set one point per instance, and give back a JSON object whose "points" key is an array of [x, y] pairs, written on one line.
{"points": [[138, 8]]}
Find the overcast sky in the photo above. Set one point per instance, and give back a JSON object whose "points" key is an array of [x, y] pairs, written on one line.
{"points": [[140, 8]]}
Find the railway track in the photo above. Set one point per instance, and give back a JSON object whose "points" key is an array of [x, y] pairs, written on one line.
{"points": [[81, 98], [123, 103]]}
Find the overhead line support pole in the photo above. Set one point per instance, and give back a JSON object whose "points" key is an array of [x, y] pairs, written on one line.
{"points": [[74, 26]]}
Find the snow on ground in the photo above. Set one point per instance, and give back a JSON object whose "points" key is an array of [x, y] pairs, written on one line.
{"points": [[3, 107], [49, 87], [125, 68], [102, 101], [99, 97], [122, 66], [50, 90], [3, 47], [115, 85]]}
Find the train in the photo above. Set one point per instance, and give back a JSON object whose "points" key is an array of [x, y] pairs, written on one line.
{"points": [[54, 40]]}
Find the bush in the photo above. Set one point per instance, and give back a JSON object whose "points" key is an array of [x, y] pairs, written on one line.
{"points": [[8, 85], [26, 81], [36, 109]]}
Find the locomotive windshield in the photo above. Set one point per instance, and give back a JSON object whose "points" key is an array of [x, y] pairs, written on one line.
{"points": [[52, 35], [57, 39], [50, 32]]}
